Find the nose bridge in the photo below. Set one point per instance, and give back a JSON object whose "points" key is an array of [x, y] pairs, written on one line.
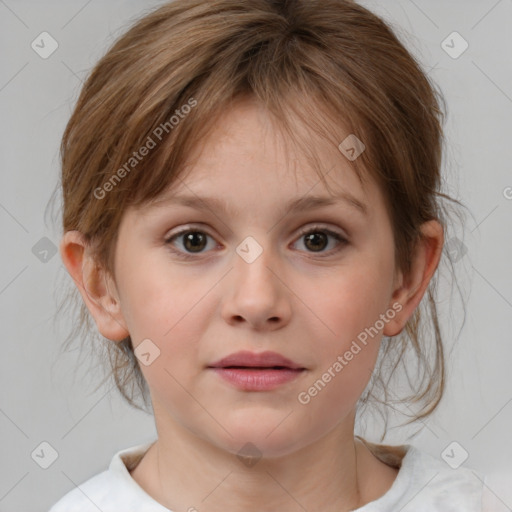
{"points": [[252, 266], [257, 295]]}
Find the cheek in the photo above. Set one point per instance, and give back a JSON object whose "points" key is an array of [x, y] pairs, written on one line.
{"points": [[346, 356], [166, 305], [160, 299], [167, 308], [351, 300], [351, 306]]}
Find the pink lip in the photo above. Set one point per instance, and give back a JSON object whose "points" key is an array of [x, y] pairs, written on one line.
{"points": [[255, 360], [249, 371]]}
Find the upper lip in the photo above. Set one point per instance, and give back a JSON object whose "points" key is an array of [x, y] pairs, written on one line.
{"points": [[255, 360]]}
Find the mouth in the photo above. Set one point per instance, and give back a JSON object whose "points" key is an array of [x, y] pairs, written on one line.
{"points": [[263, 360], [249, 371], [259, 368]]}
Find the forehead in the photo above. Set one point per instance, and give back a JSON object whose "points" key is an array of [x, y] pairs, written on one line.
{"points": [[246, 156]]}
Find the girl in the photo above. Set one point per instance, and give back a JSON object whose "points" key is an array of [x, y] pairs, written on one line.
{"points": [[252, 217]]}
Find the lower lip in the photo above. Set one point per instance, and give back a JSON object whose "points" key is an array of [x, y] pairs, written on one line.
{"points": [[257, 380]]}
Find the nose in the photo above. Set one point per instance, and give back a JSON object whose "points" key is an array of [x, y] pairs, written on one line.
{"points": [[256, 294]]}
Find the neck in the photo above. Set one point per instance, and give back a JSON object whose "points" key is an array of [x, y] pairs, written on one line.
{"points": [[184, 472]]}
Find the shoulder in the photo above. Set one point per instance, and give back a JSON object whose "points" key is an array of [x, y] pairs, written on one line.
{"points": [[88, 496], [111, 490], [443, 487], [427, 484]]}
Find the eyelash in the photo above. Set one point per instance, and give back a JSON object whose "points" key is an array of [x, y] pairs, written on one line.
{"points": [[342, 241]]}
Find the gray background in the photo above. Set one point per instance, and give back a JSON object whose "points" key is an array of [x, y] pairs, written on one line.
{"points": [[46, 398]]}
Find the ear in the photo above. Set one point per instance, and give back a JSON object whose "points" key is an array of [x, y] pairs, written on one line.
{"points": [[410, 290], [96, 286]]}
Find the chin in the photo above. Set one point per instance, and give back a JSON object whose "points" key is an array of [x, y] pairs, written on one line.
{"points": [[262, 434]]}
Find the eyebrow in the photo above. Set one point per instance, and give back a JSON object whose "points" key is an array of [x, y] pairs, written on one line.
{"points": [[293, 206]]}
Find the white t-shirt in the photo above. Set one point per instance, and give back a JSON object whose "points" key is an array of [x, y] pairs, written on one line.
{"points": [[423, 484]]}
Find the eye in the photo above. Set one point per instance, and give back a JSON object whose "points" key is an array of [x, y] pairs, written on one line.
{"points": [[194, 241], [316, 239]]}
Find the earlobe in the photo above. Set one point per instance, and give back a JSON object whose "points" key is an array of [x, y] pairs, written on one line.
{"points": [[411, 289], [97, 288]]}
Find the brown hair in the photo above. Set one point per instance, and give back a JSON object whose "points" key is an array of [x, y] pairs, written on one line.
{"points": [[331, 64]]}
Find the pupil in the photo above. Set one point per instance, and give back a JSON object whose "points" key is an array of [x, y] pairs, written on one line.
{"points": [[196, 241], [191, 242], [315, 238]]}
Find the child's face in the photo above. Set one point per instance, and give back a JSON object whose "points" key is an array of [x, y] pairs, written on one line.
{"points": [[306, 298]]}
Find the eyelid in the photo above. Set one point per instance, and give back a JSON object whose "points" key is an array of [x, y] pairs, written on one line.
{"points": [[185, 229], [303, 231], [326, 229]]}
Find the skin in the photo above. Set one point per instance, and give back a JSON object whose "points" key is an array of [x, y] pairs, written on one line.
{"points": [[307, 305]]}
